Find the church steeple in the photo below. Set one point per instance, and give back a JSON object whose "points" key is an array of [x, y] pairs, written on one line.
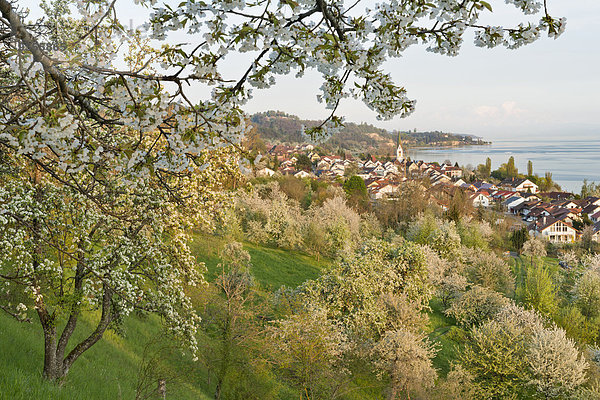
{"points": [[399, 151]]}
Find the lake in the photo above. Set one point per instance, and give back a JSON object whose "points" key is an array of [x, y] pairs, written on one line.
{"points": [[569, 161]]}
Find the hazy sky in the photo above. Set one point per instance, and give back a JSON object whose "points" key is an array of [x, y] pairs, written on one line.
{"points": [[549, 88]]}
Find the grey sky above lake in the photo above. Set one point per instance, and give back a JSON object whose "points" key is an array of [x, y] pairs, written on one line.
{"points": [[548, 89]]}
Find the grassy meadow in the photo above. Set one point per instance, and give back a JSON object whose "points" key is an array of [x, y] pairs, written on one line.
{"points": [[110, 369]]}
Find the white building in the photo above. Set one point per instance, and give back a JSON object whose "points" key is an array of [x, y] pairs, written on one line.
{"points": [[554, 230]]}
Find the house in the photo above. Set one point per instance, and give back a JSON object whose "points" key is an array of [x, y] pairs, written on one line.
{"points": [[538, 212], [482, 185], [596, 230], [565, 204], [286, 163], [439, 178], [265, 172], [369, 164], [591, 209], [523, 208], [378, 188], [338, 169], [390, 169], [568, 214], [378, 170], [530, 196], [460, 183], [422, 166], [452, 172], [389, 165], [386, 190], [554, 230], [480, 199], [302, 174], [393, 177], [314, 157], [593, 200], [281, 151], [412, 168], [512, 202], [519, 185], [287, 171], [557, 196], [595, 217], [324, 165], [502, 195]]}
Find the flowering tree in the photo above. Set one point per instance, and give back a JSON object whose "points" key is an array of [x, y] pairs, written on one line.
{"points": [[555, 362], [376, 296], [309, 349], [587, 290], [535, 248], [407, 357], [476, 306], [99, 119], [440, 235], [65, 256], [346, 43], [513, 355], [489, 270], [269, 216]]}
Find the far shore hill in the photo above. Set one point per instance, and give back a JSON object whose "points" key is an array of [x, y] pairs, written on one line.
{"points": [[279, 127]]}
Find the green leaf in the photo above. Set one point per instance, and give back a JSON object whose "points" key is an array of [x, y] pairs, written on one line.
{"points": [[486, 5]]}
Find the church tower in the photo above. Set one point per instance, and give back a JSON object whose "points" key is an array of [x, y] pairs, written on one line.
{"points": [[399, 151]]}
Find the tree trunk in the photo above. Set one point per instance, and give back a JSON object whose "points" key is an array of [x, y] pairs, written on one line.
{"points": [[51, 367], [222, 371], [56, 365], [224, 358]]}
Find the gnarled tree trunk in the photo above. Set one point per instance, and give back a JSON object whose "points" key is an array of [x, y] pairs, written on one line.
{"points": [[56, 364]]}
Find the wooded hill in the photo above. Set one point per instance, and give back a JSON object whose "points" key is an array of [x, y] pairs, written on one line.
{"points": [[280, 127]]}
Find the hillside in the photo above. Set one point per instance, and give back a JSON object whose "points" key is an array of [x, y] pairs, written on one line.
{"points": [[279, 127], [109, 370]]}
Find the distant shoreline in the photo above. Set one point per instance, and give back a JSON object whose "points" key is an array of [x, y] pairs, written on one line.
{"points": [[448, 146], [569, 162]]}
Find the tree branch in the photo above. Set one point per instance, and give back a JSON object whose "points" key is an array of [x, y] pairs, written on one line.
{"points": [[94, 337], [33, 46], [15, 315]]}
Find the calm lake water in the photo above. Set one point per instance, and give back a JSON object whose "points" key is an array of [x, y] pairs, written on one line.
{"points": [[570, 161]]}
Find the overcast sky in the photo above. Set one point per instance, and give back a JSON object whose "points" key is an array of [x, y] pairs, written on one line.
{"points": [[548, 89]]}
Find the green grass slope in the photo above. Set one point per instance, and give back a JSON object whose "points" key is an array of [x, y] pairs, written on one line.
{"points": [[272, 267], [446, 335], [110, 369]]}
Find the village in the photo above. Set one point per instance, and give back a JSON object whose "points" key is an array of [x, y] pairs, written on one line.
{"points": [[559, 217]]}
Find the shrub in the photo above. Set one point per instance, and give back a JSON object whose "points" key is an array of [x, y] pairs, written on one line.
{"points": [[476, 306], [488, 270]]}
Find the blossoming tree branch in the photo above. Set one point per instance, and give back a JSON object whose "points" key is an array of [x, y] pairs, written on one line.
{"points": [[109, 160]]}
